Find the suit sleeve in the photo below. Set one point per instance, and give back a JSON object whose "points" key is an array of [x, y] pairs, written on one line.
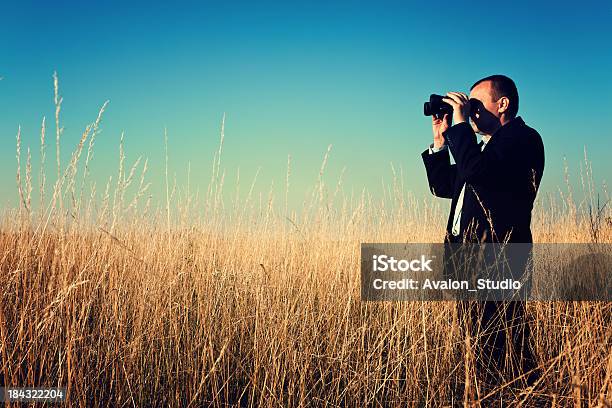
{"points": [[473, 164], [440, 173]]}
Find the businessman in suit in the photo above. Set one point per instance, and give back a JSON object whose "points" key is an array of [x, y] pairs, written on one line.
{"points": [[492, 187], [494, 183]]}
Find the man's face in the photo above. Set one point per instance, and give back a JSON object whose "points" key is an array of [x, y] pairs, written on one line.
{"points": [[484, 110]]}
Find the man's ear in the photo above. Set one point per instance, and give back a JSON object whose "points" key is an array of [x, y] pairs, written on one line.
{"points": [[503, 104]]}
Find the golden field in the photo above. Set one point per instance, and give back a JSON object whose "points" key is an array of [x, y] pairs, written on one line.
{"points": [[205, 303]]}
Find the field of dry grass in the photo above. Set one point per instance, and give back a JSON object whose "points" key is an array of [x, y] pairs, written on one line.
{"points": [[205, 302]]}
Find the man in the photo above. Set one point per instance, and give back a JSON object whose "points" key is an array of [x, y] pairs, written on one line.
{"points": [[492, 185], [492, 190]]}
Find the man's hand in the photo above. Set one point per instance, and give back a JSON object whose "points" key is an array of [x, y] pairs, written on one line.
{"points": [[461, 106], [439, 126]]}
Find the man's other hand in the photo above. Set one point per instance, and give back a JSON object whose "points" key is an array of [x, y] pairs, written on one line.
{"points": [[461, 106], [439, 126]]}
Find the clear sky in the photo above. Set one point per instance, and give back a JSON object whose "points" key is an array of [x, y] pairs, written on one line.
{"points": [[294, 77]]}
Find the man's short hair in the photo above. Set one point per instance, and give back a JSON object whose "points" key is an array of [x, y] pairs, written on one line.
{"points": [[503, 86]]}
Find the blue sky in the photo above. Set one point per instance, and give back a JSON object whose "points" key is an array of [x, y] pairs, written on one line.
{"points": [[294, 77]]}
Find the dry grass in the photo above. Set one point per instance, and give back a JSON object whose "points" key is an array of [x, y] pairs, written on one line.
{"points": [[209, 303]]}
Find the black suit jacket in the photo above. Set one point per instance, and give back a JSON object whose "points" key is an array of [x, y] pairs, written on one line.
{"points": [[501, 182]]}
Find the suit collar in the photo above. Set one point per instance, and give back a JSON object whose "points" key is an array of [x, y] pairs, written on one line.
{"points": [[510, 126]]}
